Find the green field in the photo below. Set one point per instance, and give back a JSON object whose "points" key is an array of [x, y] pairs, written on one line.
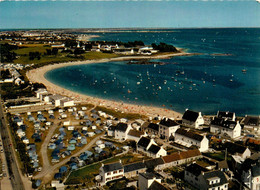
{"points": [[23, 55], [87, 173], [129, 116]]}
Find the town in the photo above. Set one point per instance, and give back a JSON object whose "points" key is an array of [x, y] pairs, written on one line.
{"points": [[63, 143]]}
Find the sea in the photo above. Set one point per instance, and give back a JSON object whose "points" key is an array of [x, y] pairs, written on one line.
{"points": [[225, 76]]}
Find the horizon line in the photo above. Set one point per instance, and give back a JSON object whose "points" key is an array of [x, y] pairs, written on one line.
{"points": [[130, 28]]}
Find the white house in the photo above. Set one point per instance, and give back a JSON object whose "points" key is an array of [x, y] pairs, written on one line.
{"points": [[203, 179], [252, 123], [134, 135], [188, 139], [226, 115], [144, 144], [40, 92], [124, 51], [237, 149], [156, 151], [225, 127], [67, 102], [145, 180], [192, 119], [121, 131], [250, 174], [111, 172], [168, 128]]}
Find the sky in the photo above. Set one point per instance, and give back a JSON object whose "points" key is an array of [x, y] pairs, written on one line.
{"points": [[23, 14]]}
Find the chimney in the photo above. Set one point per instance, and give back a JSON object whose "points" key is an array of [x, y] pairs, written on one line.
{"points": [[120, 161], [102, 164]]}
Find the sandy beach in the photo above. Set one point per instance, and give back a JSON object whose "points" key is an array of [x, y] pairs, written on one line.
{"points": [[37, 75]]}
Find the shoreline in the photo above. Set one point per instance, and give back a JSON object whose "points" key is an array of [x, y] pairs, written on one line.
{"points": [[37, 75]]}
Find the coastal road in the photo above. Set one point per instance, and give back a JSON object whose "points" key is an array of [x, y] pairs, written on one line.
{"points": [[48, 170], [12, 164]]}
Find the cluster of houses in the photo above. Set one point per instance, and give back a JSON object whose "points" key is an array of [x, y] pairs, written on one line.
{"points": [[15, 75], [110, 172], [55, 99]]}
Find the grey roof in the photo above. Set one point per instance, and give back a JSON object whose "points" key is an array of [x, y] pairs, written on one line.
{"points": [[190, 115], [223, 123], [225, 114], [112, 167], [189, 134], [134, 167], [149, 175], [212, 174], [252, 121], [153, 162], [121, 127], [144, 142], [233, 148], [168, 122], [256, 170], [196, 169], [154, 149], [153, 126]]}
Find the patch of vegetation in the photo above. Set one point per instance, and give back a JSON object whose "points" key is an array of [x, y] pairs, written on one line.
{"points": [[129, 116], [87, 173], [163, 47], [7, 53]]}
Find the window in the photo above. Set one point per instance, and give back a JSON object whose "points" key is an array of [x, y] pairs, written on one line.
{"points": [[108, 173], [120, 170], [114, 172]]}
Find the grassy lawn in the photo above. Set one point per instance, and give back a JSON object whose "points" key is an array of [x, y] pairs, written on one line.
{"points": [[24, 50], [129, 116], [217, 156], [87, 173], [98, 55]]}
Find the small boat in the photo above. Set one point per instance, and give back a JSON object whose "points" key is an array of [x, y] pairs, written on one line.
{"points": [[244, 71], [138, 83]]}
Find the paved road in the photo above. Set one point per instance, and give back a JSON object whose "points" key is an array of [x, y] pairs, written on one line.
{"points": [[12, 165], [48, 171]]}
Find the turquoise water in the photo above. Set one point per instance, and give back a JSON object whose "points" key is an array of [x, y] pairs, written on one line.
{"points": [[207, 83]]}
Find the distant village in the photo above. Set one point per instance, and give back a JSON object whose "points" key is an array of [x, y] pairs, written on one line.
{"points": [[88, 147]]}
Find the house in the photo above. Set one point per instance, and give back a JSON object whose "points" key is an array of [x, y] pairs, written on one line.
{"points": [[156, 185], [152, 129], [168, 128], [226, 115], [225, 127], [145, 180], [132, 170], [121, 131], [192, 119], [252, 123], [154, 164], [144, 144], [250, 172], [188, 139], [40, 92], [134, 135], [67, 102], [111, 172], [124, 51], [56, 99], [156, 151], [237, 149], [203, 179], [179, 158]]}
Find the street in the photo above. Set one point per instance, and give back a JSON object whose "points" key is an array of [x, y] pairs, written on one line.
{"points": [[12, 165]]}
